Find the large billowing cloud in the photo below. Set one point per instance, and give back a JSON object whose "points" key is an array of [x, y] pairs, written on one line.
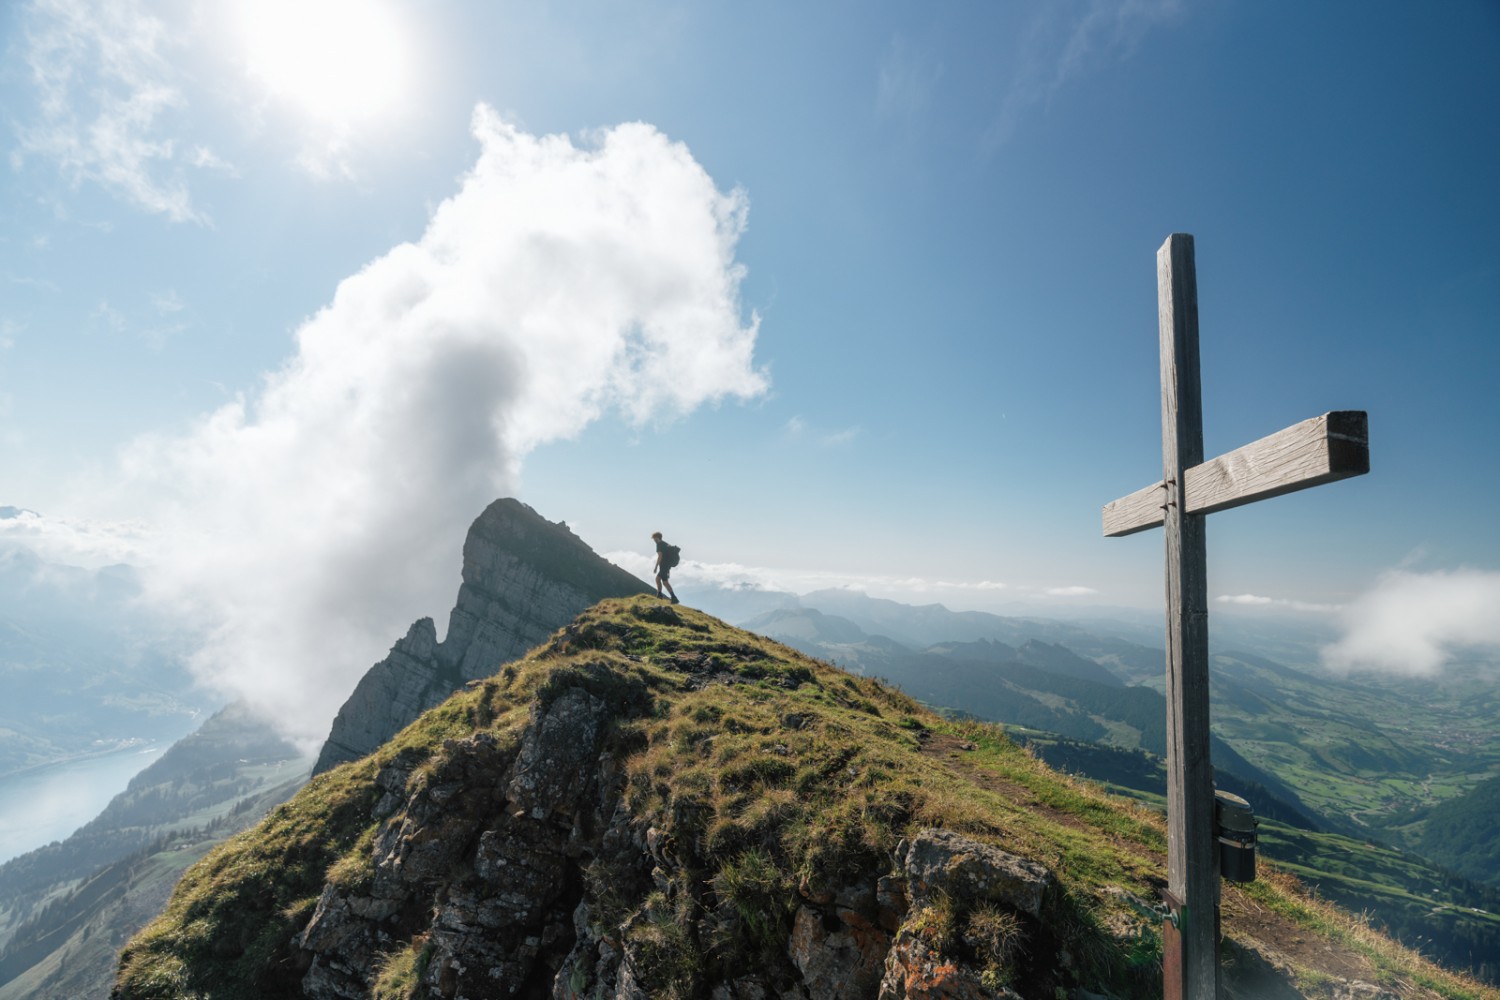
{"points": [[311, 520], [1414, 623]]}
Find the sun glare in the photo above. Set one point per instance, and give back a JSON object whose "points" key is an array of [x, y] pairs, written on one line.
{"points": [[337, 60]]}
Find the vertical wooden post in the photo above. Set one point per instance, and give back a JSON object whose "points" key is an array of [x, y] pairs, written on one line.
{"points": [[1193, 871], [1321, 450]]}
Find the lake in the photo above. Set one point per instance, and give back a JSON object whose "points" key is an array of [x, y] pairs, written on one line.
{"points": [[48, 803]]}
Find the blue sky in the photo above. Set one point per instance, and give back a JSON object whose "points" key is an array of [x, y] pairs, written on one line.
{"points": [[832, 294]]}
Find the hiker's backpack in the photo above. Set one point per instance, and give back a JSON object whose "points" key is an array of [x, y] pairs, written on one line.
{"points": [[671, 556]]}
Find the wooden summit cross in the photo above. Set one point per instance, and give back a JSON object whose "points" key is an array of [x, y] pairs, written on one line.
{"points": [[1321, 450]]}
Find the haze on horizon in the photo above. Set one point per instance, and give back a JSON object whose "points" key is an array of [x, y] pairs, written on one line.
{"points": [[830, 299]]}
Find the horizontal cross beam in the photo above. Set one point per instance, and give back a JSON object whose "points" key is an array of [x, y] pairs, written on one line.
{"points": [[1321, 450]]}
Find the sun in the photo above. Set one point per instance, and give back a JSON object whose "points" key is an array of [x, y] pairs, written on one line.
{"points": [[335, 60]]}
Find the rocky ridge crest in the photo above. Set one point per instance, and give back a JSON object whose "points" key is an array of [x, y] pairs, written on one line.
{"points": [[523, 578]]}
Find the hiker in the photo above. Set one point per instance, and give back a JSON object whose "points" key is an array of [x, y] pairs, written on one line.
{"points": [[666, 558]]}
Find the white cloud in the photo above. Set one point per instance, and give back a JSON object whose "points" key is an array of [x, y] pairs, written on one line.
{"points": [[168, 306], [206, 159], [764, 578], [105, 93], [28, 282], [72, 541], [800, 581], [1074, 591], [161, 324], [838, 439], [1066, 40], [109, 316], [167, 302], [1414, 623], [1259, 601], [797, 428], [312, 519]]}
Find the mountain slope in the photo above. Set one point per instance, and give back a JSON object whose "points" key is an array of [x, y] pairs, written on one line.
{"points": [[1372, 749], [70, 949], [1039, 685], [66, 908], [1461, 833], [197, 780], [654, 804], [1450, 918]]}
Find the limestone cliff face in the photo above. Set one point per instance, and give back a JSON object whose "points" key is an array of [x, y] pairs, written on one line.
{"points": [[524, 577]]}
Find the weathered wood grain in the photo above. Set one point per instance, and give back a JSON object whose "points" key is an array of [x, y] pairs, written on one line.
{"points": [[1192, 858], [1320, 450]]}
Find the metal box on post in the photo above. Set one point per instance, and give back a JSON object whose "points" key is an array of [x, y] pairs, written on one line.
{"points": [[1234, 828]]}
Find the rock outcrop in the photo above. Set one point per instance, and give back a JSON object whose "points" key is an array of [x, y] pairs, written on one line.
{"points": [[524, 577], [494, 857]]}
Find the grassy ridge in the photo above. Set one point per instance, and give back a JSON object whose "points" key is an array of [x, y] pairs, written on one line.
{"points": [[773, 775]]}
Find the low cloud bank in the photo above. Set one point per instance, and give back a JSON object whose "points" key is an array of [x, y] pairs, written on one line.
{"points": [[69, 541], [1273, 603], [309, 521], [967, 595], [1413, 624]]}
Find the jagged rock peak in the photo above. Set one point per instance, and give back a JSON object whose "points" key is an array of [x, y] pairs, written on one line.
{"points": [[524, 577]]}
